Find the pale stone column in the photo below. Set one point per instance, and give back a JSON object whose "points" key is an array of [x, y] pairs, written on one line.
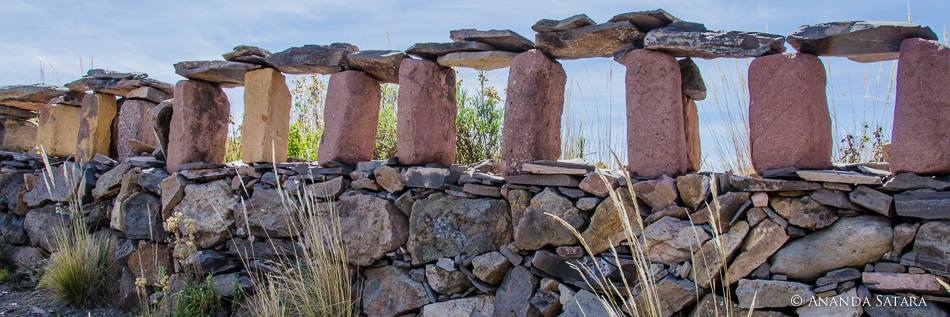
{"points": [[266, 128], [199, 125], [656, 141], [921, 135], [533, 107], [789, 124], [351, 118], [58, 131], [425, 129], [95, 126]]}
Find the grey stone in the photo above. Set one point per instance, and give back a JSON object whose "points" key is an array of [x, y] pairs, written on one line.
{"points": [[749, 184], [513, 297], [931, 242], [519, 200], [709, 260], [11, 185], [897, 310], [66, 179], [804, 212], [536, 229], [764, 240], [247, 54], [904, 234], [910, 181], [118, 87], [573, 22], [107, 185], [161, 123], [843, 177], [680, 40], [771, 294], [659, 193], [646, 20], [728, 207], [693, 189], [330, 189], [227, 74], [478, 306], [17, 135], [585, 304], [838, 276], [151, 179], [903, 282], [29, 97], [432, 51], [544, 180], [446, 282], [11, 227], [859, 41], [505, 40], [310, 59], [873, 200], [587, 203], [382, 65], [855, 241], [446, 226], [371, 226], [142, 217], [671, 240], [390, 291], [833, 198], [44, 225], [713, 305], [490, 267], [672, 295], [26, 257], [210, 206], [265, 216], [693, 85], [923, 205], [424, 177], [483, 60], [600, 40]]}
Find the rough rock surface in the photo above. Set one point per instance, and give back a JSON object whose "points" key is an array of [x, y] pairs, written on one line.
{"points": [[310, 59], [505, 40], [573, 22], [352, 112], [134, 124], [446, 226], [920, 104], [478, 306], [513, 297], [432, 51], [672, 241], [95, 126], [247, 54], [29, 97], [371, 227], [855, 241], [804, 212], [646, 20], [656, 143], [600, 40], [426, 116], [709, 259], [58, 130], [390, 291], [771, 294], [533, 108], [482, 60], [225, 73], [382, 65], [535, 229], [266, 126], [789, 124], [606, 225], [682, 39], [764, 240], [210, 206], [198, 130], [265, 216], [860, 41], [693, 85]]}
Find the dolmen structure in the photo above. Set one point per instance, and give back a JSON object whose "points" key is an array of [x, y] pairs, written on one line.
{"points": [[425, 236]]}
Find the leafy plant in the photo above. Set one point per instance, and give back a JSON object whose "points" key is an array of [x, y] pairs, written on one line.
{"points": [[863, 148], [197, 300], [303, 143], [478, 122], [385, 144]]}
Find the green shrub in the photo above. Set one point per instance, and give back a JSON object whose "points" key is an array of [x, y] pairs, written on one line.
{"points": [[385, 145], [197, 300], [478, 123]]}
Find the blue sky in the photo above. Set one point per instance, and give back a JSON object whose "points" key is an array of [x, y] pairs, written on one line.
{"points": [[150, 36]]}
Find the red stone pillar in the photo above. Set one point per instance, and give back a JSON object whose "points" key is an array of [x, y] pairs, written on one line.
{"points": [[533, 107], [352, 115], [789, 124], [921, 135], [134, 124], [656, 142], [425, 127], [199, 128]]}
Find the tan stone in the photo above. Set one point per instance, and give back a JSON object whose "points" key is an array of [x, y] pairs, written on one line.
{"points": [[95, 126], [17, 135], [352, 115], [694, 153], [266, 127], [58, 130]]}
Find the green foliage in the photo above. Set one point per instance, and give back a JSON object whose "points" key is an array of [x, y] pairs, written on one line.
{"points": [[302, 142], [867, 147], [385, 144], [478, 123], [5, 275], [197, 300], [233, 145]]}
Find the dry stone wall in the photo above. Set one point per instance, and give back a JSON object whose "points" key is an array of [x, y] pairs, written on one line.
{"points": [[146, 158]]}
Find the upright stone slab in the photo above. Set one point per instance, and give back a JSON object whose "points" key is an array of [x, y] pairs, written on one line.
{"points": [[694, 155], [199, 126], [266, 127], [17, 135], [921, 139], [352, 114], [789, 125], [425, 130], [58, 130], [95, 126], [134, 124], [532, 127], [656, 142]]}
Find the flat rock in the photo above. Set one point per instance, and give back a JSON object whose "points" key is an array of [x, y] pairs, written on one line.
{"points": [[116, 86], [873, 200], [763, 240], [833, 198], [310, 59], [931, 246], [601, 40], [850, 296], [646, 20], [855, 241], [607, 223], [390, 291], [681, 40], [585, 304], [710, 258], [432, 51], [573, 22], [771, 294], [17, 113], [227, 74], [484, 60], [671, 240], [544, 180], [713, 305], [425, 177], [536, 229], [382, 65], [723, 213], [843, 177], [910, 181], [925, 205], [445, 226], [903, 282], [29, 97], [478, 306], [505, 40], [749, 184], [513, 297], [804, 212], [599, 184], [860, 41], [247, 54]]}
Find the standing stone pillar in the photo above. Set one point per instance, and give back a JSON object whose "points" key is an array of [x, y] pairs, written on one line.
{"points": [[199, 128], [351, 115], [134, 123], [921, 135], [789, 124], [532, 127], [95, 126], [425, 127], [656, 142], [58, 131], [266, 128], [17, 135], [694, 154]]}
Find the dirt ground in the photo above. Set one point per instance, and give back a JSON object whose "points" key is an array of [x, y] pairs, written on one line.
{"points": [[23, 299]]}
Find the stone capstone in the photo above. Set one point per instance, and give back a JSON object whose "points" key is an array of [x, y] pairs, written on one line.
{"points": [[600, 40], [683, 39], [29, 97], [482, 60], [225, 73], [382, 65], [860, 41], [312, 59], [505, 40]]}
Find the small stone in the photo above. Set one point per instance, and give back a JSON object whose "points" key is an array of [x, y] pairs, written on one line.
{"points": [[722, 215], [573, 22], [330, 189], [482, 190], [587, 203], [490, 267], [859, 41], [505, 40], [389, 178], [904, 234], [432, 51], [390, 291], [482, 60], [772, 294], [693, 85], [874, 200], [755, 215], [764, 240], [693, 189], [382, 65], [670, 240], [760, 199], [544, 180], [227, 74], [850, 296], [672, 295], [687, 40], [595, 183], [843, 177], [889, 267], [310, 59], [445, 281], [838, 276], [600, 40], [659, 194], [425, 177]]}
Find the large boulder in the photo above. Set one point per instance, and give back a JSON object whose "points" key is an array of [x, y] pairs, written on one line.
{"points": [[390, 291], [210, 206], [446, 226], [854, 242], [371, 226]]}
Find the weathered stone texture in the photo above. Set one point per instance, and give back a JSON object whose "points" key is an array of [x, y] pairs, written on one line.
{"points": [[533, 107], [656, 143], [134, 124], [922, 104], [95, 126], [266, 127], [425, 130], [199, 125], [351, 113]]}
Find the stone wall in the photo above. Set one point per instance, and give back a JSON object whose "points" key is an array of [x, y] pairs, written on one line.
{"points": [[425, 236]]}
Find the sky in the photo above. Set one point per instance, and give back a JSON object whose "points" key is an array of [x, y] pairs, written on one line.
{"points": [[56, 41]]}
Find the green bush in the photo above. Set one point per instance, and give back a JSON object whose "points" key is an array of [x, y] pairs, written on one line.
{"points": [[197, 300], [478, 123], [385, 145]]}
